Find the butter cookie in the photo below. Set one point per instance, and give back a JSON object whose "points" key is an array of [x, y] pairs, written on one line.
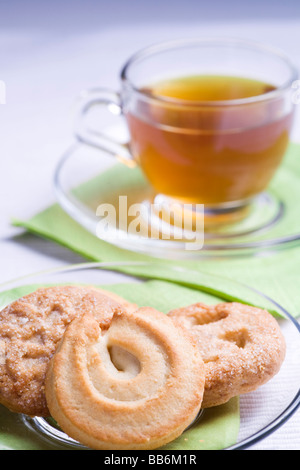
{"points": [[242, 347], [136, 385]]}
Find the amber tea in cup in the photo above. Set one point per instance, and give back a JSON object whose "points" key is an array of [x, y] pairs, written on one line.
{"points": [[209, 120], [209, 155]]}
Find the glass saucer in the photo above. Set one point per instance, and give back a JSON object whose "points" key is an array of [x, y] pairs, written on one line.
{"points": [[237, 425], [87, 179]]}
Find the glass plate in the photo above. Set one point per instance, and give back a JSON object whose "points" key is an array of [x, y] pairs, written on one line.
{"points": [[260, 413], [87, 179]]}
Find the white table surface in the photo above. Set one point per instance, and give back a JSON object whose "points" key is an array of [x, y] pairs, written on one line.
{"points": [[50, 51]]}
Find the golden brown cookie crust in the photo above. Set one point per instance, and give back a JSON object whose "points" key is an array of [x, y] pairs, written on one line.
{"points": [[242, 347], [30, 329], [137, 385]]}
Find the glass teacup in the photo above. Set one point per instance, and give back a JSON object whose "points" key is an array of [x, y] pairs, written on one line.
{"points": [[209, 120]]}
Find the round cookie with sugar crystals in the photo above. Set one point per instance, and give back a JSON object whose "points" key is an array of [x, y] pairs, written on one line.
{"points": [[30, 329], [242, 347]]}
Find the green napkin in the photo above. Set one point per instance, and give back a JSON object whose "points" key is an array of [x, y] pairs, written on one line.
{"points": [[276, 275], [216, 429]]}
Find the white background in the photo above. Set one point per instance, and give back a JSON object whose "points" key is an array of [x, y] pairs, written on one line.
{"points": [[50, 51]]}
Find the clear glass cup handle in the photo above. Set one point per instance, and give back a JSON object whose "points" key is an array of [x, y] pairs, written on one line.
{"points": [[110, 100]]}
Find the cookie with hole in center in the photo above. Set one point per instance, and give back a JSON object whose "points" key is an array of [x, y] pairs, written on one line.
{"points": [[242, 347], [136, 385]]}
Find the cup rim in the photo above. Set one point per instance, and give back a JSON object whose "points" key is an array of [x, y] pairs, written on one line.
{"points": [[222, 41]]}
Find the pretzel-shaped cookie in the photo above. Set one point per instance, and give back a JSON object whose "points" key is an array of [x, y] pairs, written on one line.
{"points": [[242, 347], [136, 385]]}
